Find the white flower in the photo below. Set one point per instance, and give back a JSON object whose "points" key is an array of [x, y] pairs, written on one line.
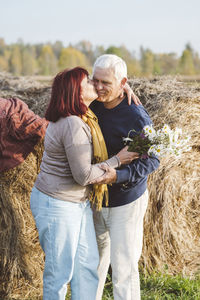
{"points": [[163, 141], [127, 139], [175, 135], [158, 150], [166, 129], [178, 131], [187, 139], [149, 132], [151, 150], [187, 148]]}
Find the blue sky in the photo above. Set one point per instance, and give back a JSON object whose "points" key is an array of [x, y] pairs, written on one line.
{"points": [[162, 26]]}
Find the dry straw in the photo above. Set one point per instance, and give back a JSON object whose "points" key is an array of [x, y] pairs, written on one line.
{"points": [[171, 233], [172, 221], [21, 258]]}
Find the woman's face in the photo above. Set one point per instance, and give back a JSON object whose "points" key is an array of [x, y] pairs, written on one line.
{"points": [[88, 92]]}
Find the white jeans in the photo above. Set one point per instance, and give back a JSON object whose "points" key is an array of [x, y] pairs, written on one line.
{"points": [[119, 232]]}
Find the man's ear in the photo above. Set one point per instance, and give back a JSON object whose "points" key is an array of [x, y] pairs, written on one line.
{"points": [[123, 82]]}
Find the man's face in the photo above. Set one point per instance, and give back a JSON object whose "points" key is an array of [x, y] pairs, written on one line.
{"points": [[107, 86]]}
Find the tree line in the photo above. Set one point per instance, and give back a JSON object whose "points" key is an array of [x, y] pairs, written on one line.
{"points": [[49, 58]]}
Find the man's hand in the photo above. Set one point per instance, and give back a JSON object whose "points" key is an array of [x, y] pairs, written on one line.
{"points": [[130, 95], [110, 175], [126, 157]]}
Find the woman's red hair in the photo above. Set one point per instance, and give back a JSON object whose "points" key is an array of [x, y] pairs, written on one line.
{"points": [[66, 95]]}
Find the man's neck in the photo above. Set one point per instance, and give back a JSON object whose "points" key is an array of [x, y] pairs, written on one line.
{"points": [[113, 103]]}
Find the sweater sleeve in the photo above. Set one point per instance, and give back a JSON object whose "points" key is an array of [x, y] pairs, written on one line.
{"points": [[78, 147], [137, 169]]}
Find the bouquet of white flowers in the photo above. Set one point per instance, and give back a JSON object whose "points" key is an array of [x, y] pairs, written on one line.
{"points": [[158, 142]]}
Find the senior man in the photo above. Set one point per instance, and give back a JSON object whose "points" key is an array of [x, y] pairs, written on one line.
{"points": [[119, 227]]}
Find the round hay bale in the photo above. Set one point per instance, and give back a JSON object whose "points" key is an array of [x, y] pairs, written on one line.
{"points": [[35, 94], [21, 258], [172, 221]]}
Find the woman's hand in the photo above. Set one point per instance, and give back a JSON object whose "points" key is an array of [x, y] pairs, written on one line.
{"points": [[130, 95], [109, 177], [127, 157]]}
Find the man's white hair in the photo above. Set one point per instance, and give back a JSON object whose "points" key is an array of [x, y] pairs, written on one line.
{"points": [[107, 61]]}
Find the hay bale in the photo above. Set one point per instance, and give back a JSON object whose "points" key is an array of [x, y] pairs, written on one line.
{"points": [[35, 94], [172, 221], [21, 258]]}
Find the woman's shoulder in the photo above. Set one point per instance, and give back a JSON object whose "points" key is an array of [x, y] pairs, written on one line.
{"points": [[76, 130], [74, 124], [71, 121]]}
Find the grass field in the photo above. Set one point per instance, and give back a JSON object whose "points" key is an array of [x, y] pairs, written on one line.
{"points": [[159, 286]]}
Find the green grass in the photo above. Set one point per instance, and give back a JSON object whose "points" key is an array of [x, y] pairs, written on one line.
{"points": [[159, 286], [164, 286]]}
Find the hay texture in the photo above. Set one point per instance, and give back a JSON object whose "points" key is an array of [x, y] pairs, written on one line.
{"points": [[21, 258], [171, 231], [34, 93], [172, 221]]}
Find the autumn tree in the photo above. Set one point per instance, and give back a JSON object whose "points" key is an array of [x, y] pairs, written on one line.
{"points": [[196, 61], [186, 64], [29, 63], [57, 48], [4, 66], [15, 62], [147, 61], [98, 50], [47, 61], [87, 49], [114, 50], [2, 46], [133, 66], [71, 57], [4, 56]]}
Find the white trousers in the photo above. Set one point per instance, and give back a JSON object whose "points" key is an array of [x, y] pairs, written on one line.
{"points": [[119, 232]]}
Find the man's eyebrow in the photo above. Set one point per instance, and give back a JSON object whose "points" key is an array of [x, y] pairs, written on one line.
{"points": [[106, 81], [102, 80]]}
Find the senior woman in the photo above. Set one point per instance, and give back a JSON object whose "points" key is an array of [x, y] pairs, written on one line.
{"points": [[60, 197]]}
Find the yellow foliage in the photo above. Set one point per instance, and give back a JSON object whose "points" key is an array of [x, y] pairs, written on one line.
{"points": [[71, 57]]}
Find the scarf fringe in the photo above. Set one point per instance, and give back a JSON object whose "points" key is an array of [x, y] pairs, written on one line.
{"points": [[97, 195], [99, 191]]}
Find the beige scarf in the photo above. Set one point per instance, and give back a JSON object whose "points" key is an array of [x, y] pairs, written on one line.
{"points": [[99, 154]]}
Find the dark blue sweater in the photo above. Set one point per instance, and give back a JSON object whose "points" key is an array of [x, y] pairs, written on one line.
{"points": [[115, 124]]}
